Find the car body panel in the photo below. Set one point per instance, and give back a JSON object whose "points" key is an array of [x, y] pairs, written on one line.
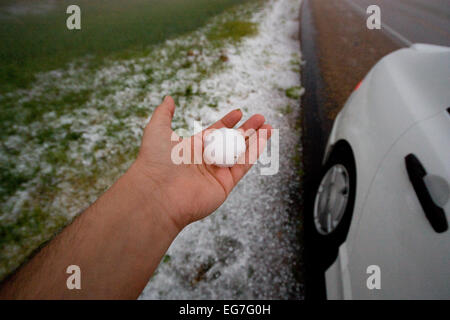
{"points": [[394, 232], [398, 94], [403, 91]]}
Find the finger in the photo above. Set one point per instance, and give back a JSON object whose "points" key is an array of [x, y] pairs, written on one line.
{"points": [[252, 124], [262, 135], [229, 121], [163, 114]]}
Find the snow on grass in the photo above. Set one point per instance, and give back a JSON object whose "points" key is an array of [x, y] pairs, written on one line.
{"points": [[65, 140]]}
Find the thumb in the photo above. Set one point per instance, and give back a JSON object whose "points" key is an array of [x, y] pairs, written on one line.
{"points": [[163, 114]]}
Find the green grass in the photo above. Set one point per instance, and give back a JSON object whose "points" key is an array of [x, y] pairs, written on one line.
{"points": [[294, 92], [286, 109], [40, 42], [166, 258], [33, 226], [233, 30]]}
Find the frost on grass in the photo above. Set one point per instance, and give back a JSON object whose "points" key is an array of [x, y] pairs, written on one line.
{"points": [[67, 138]]}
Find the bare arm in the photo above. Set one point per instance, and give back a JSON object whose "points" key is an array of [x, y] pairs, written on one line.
{"points": [[119, 241]]}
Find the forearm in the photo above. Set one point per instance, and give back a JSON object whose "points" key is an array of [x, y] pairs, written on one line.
{"points": [[117, 243]]}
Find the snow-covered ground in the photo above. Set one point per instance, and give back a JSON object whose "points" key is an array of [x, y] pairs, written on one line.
{"points": [[248, 248], [76, 130]]}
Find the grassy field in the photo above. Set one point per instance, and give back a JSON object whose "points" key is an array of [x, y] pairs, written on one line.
{"points": [[34, 36], [74, 103]]}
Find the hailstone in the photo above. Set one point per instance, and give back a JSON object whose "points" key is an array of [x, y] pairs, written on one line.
{"points": [[223, 147]]}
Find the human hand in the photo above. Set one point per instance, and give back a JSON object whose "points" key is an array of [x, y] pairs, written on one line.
{"points": [[189, 192]]}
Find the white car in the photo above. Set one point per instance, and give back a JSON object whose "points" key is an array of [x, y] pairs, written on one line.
{"points": [[383, 199]]}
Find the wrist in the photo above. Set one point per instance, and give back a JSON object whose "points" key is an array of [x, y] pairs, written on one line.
{"points": [[152, 193]]}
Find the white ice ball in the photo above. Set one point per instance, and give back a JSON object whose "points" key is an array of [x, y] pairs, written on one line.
{"points": [[223, 147]]}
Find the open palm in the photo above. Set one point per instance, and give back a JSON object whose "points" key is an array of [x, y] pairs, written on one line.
{"points": [[192, 191]]}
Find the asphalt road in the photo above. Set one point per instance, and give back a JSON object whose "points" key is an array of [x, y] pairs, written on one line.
{"points": [[339, 50], [412, 21]]}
